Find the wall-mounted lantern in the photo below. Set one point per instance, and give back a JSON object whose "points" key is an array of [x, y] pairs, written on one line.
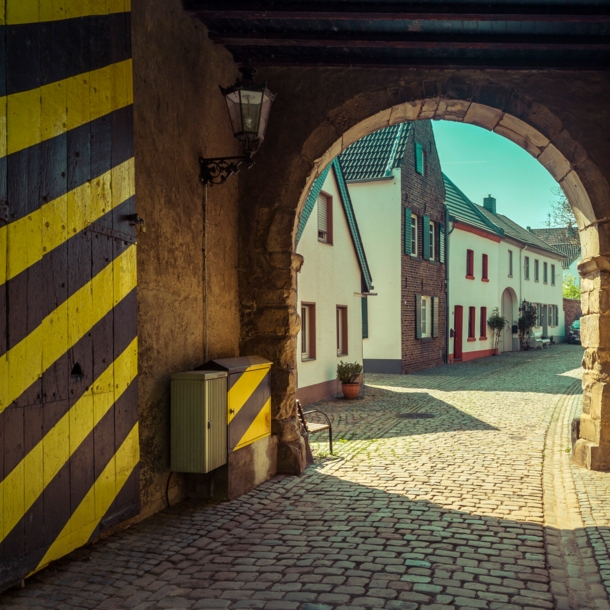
{"points": [[249, 106]]}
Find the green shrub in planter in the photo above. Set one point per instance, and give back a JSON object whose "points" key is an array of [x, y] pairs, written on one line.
{"points": [[348, 372]]}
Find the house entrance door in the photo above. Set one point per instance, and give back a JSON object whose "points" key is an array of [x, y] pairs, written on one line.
{"points": [[458, 325], [506, 343]]}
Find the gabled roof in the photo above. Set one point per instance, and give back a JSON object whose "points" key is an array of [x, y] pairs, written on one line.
{"points": [[350, 216], [562, 239], [462, 209], [376, 155], [512, 229]]}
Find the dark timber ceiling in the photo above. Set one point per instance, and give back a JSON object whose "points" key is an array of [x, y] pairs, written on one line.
{"points": [[526, 34]]}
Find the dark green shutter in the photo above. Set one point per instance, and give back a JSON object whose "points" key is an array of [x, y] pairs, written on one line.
{"points": [[434, 316], [441, 240], [407, 223], [419, 158], [365, 318], [425, 237], [418, 316]]}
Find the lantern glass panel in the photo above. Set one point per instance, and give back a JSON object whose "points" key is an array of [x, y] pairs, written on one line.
{"points": [[265, 110], [250, 110], [234, 108]]}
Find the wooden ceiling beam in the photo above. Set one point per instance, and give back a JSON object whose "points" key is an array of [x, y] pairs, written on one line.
{"points": [[404, 11], [414, 41], [423, 63]]}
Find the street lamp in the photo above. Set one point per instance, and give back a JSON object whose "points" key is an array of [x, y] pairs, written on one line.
{"points": [[249, 106]]}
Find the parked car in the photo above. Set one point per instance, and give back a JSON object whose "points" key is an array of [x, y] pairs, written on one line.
{"points": [[574, 332]]}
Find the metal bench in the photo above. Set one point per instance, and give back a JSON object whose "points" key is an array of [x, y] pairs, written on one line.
{"points": [[313, 427], [540, 342]]}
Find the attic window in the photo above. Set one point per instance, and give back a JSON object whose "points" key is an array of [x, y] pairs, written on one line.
{"points": [[420, 160], [325, 218]]}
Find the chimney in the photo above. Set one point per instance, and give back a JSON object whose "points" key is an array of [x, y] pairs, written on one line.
{"points": [[489, 203]]}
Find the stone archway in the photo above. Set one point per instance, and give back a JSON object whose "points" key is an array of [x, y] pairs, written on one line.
{"points": [[269, 316]]}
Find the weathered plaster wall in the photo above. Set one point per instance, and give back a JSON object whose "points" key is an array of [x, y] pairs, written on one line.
{"points": [[179, 116], [559, 116]]}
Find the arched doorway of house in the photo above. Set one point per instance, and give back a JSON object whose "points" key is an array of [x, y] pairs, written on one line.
{"points": [[509, 302]]}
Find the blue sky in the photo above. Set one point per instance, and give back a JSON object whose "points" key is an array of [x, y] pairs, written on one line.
{"points": [[481, 162]]}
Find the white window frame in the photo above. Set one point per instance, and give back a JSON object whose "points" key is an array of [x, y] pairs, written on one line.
{"points": [[432, 230], [426, 317], [325, 237], [414, 235]]}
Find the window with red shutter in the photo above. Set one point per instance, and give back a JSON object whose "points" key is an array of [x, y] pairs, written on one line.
{"points": [[470, 264], [483, 329]]}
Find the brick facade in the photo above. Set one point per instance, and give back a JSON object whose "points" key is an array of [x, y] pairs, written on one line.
{"points": [[572, 311], [423, 195]]}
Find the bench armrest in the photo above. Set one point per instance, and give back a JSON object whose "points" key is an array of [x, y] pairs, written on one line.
{"points": [[320, 412]]}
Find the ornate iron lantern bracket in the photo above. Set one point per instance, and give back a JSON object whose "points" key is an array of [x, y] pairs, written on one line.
{"points": [[218, 170]]}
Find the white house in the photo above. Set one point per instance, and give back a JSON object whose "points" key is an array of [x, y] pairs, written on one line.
{"points": [[493, 262], [396, 186], [332, 286]]}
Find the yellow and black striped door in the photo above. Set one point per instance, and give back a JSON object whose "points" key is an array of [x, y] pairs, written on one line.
{"points": [[69, 447]]}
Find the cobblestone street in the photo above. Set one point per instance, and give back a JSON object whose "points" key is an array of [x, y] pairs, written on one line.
{"points": [[476, 507]]}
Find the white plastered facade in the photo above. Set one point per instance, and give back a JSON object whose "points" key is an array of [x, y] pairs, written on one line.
{"points": [[377, 205], [330, 277]]}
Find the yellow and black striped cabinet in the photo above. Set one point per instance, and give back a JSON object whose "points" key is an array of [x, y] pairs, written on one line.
{"points": [[69, 449], [248, 398]]}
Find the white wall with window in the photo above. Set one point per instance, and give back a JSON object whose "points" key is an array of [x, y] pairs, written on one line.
{"points": [[547, 292], [480, 294], [328, 292], [378, 209]]}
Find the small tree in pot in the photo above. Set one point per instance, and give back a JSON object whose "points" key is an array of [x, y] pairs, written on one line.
{"points": [[497, 323], [526, 322], [347, 374]]}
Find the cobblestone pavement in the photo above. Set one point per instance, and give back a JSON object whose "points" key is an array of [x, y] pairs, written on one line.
{"points": [[476, 507]]}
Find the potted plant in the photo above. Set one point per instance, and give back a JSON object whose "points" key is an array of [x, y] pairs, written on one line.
{"points": [[497, 323], [347, 374], [526, 322]]}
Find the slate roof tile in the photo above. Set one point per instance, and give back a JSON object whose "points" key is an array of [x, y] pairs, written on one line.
{"points": [[376, 155]]}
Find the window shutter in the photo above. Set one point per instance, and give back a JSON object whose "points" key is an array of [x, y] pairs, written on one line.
{"points": [[434, 316], [419, 158], [425, 236], [441, 239], [365, 318], [418, 316], [322, 214], [407, 223]]}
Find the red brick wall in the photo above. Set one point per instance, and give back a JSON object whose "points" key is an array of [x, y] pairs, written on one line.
{"points": [[423, 195], [572, 310]]}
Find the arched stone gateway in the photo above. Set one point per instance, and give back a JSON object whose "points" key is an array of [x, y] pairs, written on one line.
{"points": [[555, 116]]}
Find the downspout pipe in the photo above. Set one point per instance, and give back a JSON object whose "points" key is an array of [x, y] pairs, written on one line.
{"points": [[447, 316]]}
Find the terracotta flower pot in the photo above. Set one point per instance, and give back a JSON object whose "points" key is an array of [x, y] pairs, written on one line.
{"points": [[350, 390]]}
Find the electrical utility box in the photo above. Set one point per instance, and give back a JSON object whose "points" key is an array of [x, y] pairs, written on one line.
{"points": [[198, 421], [248, 398]]}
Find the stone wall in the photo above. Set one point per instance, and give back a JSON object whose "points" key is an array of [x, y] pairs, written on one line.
{"points": [[572, 311], [423, 195], [179, 116], [559, 117]]}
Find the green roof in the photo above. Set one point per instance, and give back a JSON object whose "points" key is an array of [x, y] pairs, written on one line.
{"points": [[462, 209], [348, 208], [512, 229], [376, 155]]}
